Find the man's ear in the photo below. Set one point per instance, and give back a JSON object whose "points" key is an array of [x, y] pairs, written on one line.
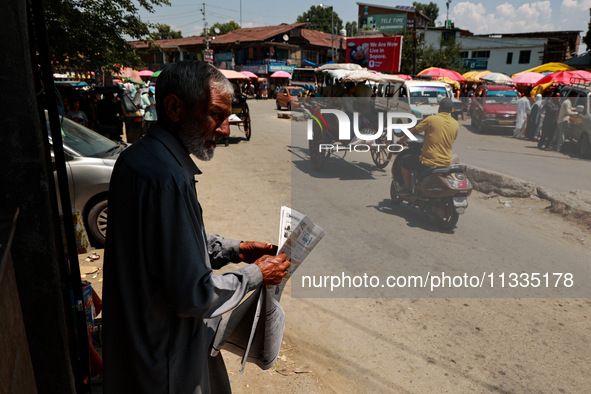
{"points": [[174, 107]]}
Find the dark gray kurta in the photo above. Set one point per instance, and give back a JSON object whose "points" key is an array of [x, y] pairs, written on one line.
{"points": [[161, 302]]}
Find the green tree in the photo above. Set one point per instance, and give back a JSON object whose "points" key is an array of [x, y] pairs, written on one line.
{"points": [[222, 27], [587, 38], [446, 56], [89, 35], [431, 10], [406, 65], [320, 18], [164, 32], [351, 28]]}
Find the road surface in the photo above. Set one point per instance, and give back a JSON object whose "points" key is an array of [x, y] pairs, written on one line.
{"points": [[371, 340]]}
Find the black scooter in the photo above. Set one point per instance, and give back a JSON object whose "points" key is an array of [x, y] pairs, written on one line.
{"points": [[439, 192]]}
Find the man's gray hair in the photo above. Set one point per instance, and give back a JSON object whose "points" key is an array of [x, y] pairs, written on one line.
{"points": [[189, 80]]}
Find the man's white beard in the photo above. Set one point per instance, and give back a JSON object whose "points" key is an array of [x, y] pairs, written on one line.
{"points": [[195, 145]]}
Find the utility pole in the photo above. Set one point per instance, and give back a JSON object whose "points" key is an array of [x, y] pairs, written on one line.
{"points": [[205, 27]]}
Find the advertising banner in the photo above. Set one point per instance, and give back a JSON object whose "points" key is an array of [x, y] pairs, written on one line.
{"points": [[208, 55], [387, 23], [376, 53]]}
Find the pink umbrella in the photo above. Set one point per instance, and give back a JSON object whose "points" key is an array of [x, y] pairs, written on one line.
{"points": [[529, 78], [564, 77], [281, 74], [127, 72], [437, 72], [249, 74], [146, 73]]}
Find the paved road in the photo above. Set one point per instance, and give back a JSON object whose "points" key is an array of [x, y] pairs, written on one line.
{"points": [[367, 341], [499, 152]]}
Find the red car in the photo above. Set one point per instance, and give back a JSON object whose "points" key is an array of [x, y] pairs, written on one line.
{"points": [[286, 94], [494, 106]]}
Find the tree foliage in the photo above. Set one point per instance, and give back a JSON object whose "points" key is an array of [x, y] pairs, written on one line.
{"points": [[431, 10], [223, 28], [164, 32], [320, 18], [90, 34], [447, 55], [351, 29]]}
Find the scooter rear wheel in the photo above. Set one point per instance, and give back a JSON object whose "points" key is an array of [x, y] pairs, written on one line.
{"points": [[449, 217]]}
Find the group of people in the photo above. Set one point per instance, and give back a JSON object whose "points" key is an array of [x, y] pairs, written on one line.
{"points": [[545, 121]]}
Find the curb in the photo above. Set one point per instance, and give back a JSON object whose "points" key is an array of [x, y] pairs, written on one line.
{"points": [[575, 204]]}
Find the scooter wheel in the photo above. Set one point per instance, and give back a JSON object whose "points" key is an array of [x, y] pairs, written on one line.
{"points": [[449, 219], [396, 199]]}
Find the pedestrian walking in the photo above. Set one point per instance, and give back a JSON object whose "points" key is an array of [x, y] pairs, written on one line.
{"points": [[148, 104], [523, 109], [550, 122], [532, 129], [566, 110], [161, 300]]}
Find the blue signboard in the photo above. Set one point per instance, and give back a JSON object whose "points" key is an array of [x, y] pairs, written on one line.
{"points": [[223, 57], [280, 67]]}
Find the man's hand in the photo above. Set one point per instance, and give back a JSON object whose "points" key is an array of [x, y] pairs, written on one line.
{"points": [[251, 251], [274, 268]]}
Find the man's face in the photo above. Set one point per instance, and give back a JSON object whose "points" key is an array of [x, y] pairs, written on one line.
{"points": [[206, 124]]}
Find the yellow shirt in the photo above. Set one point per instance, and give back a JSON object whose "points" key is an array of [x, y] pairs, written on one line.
{"points": [[441, 131]]}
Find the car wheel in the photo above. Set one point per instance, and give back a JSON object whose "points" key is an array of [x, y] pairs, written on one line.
{"points": [[277, 105], [97, 222], [585, 147]]}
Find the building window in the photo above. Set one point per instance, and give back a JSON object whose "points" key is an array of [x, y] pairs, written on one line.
{"points": [[480, 54], [464, 54], [448, 35], [524, 57], [509, 57]]}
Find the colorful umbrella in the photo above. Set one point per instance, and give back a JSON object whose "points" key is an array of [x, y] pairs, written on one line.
{"points": [[129, 73], [281, 74], [474, 76], [564, 77], [231, 74], [553, 66], [499, 78], [437, 72], [539, 89], [146, 73], [155, 75], [249, 74], [528, 78], [451, 82], [404, 76]]}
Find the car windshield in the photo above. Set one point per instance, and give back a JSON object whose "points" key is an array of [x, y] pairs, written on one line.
{"points": [[427, 94], [500, 97], [85, 141], [295, 92]]}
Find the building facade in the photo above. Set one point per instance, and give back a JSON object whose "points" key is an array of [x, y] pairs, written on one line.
{"points": [[262, 50], [507, 53]]}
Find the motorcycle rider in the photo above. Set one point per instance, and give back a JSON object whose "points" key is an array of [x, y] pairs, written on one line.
{"points": [[441, 131]]}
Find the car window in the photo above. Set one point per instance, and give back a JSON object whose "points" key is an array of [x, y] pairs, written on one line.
{"points": [[295, 92], [85, 141], [501, 97], [427, 94]]}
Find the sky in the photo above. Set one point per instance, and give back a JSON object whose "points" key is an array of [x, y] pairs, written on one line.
{"points": [[479, 17]]}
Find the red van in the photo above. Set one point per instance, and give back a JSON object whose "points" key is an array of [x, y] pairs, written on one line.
{"points": [[493, 106]]}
